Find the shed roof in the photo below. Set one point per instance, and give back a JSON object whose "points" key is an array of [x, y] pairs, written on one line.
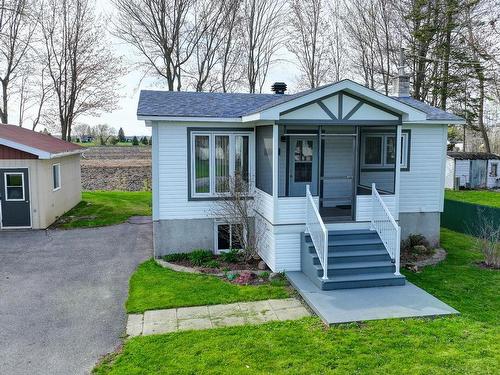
{"points": [[157, 103], [43, 145], [472, 155]]}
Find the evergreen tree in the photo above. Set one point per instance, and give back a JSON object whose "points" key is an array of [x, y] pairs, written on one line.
{"points": [[121, 135], [135, 141], [144, 141]]}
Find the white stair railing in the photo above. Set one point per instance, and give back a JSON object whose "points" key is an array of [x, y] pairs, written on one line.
{"points": [[389, 231], [317, 230]]}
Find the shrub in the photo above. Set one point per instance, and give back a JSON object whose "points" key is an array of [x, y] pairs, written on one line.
{"points": [[200, 256], [488, 240], [175, 257], [211, 264], [414, 240], [135, 141], [231, 256], [264, 275]]}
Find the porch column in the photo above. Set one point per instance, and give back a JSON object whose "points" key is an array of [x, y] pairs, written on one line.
{"points": [[398, 170], [276, 146]]}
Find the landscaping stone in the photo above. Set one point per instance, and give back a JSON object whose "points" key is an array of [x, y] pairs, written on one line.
{"points": [[176, 267], [274, 276], [214, 316], [262, 265]]}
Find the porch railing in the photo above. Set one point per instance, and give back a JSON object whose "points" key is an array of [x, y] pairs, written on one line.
{"points": [[389, 231], [317, 230]]}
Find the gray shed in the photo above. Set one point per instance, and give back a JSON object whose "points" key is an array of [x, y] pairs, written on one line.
{"points": [[476, 170]]}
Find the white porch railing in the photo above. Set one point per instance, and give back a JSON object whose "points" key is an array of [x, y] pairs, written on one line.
{"points": [[317, 230], [387, 228]]}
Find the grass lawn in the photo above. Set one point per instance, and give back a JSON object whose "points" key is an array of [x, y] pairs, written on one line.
{"points": [[483, 197], [154, 287], [99, 208], [466, 344]]}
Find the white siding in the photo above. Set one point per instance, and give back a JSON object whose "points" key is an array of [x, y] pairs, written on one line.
{"points": [[173, 174], [462, 170], [364, 206], [450, 173], [292, 210], [264, 204], [422, 187], [287, 247], [383, 179], [266, 243]]}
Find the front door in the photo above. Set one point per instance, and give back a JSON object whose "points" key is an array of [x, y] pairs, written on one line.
{"points": [[303, 165], [14, 198]]}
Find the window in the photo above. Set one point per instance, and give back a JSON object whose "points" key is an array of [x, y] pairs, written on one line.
{"points": [[303, 164], [379, 150], [494, 170], [56, 177], [215, 158], [228, 237], [14, 186]]}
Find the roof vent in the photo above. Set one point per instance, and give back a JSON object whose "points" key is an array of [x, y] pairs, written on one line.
{"points": [[279, 87]]}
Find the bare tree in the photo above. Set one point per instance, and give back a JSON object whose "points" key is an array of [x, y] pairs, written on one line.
{"points": [[17, 25], [308, 40], [209, 26], [263, 25], [335, 39], [104, 133], [231, 53], [162, 31], [83, 71], [236, 207]]}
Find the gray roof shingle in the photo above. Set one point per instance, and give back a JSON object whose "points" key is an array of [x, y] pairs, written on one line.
{"points": [[460, 155], [233, 105]]}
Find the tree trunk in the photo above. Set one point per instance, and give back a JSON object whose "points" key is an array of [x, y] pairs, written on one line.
{"points": [[480, 112], [4, 112]]}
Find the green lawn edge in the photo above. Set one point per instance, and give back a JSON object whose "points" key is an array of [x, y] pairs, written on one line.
{"points": [[465, 344], [481, 197], [102, 208], [154, 287]]}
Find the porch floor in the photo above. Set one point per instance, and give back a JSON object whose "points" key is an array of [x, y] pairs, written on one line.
{"points": [[353, 305]]}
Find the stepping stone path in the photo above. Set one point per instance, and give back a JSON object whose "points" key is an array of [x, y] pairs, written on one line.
{"points": [[214, 316]]}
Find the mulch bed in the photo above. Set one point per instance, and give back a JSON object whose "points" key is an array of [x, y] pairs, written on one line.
{"points": [[488, 266], [414, 262]]}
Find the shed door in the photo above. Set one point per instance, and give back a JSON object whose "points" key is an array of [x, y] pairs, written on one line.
{"points": [[15, 198], [478, 173]]}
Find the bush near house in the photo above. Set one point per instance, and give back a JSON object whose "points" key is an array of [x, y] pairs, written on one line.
{"points": [[465, 344]]}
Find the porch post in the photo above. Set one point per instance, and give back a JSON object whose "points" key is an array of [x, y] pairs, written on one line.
{"points": [[398, 170], [275, 170]]}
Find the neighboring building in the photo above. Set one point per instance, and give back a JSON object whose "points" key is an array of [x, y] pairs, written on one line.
{"points": [[339, 139], [476, 170], [39, 178]]}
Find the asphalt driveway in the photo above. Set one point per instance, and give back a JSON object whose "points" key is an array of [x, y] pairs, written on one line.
{"points": [[62, 295]]}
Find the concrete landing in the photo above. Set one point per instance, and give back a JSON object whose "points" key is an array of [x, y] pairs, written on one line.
{"points": [[353, 305]]}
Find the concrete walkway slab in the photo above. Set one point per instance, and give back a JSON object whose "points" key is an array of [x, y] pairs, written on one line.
{"points": [[353, 305], [214, 316]]}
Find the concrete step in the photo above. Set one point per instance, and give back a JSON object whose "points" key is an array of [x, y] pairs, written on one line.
{"points": [[362, 281], [360, 267]]}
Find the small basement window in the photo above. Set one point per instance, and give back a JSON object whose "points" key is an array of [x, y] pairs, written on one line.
{"points": [[56, 177], [227, 237]]}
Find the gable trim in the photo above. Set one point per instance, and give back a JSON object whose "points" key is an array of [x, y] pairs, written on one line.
{"points": [[327, 110]]}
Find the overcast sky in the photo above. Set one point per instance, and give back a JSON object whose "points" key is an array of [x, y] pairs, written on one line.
{"points": [[125, 116]]}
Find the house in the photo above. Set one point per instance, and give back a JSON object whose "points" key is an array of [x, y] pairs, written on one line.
{"points": [[474, 170], [39, 178], [336, 169]]}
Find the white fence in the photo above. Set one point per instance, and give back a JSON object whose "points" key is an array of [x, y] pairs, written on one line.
{"points": [[386, 227], [317, 230]]}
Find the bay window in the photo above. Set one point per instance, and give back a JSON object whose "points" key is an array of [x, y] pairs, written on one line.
{"points": [[216, 157]]}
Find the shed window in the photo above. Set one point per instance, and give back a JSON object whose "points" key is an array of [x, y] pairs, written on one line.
{"points": [[216, 157], [14, 186], [56, 176], [494, 170]]}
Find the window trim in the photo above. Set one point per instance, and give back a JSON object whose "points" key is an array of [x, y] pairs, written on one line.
{"points": [[58, 165], [217, 223], [7, 199], [405, 151], [212, 133]]}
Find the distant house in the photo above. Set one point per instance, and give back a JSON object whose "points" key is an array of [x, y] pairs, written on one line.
{"points": [[475, 170], [87, 138], [338, 174], [39, 178]]}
